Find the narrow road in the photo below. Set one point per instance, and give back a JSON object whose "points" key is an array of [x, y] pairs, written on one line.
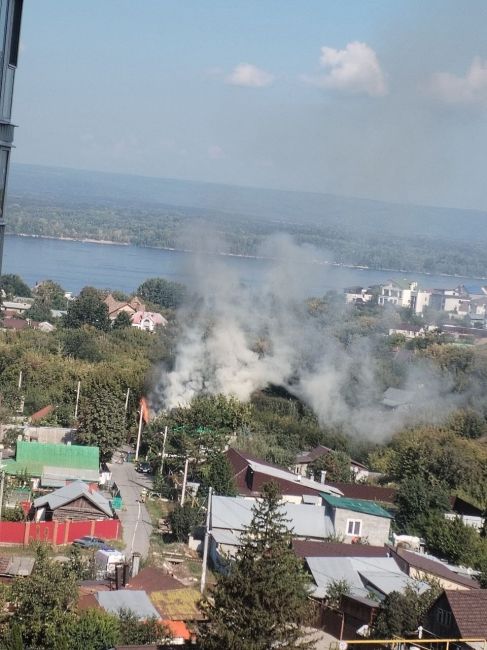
{"points": [[135, 519]]}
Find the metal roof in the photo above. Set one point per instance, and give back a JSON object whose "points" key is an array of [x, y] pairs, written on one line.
{"points": [[69, 493], [380, 574], [235, 513], [58, 455], [137, 602], [384, 575], [328, 570], [357, 505], [285, 475], [394, 397]]}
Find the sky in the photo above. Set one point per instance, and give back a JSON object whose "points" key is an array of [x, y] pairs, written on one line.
{"points": [[367, 98]]}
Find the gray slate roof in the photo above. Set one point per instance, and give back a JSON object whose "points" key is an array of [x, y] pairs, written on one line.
{"points": [[71, 492], [235, 513], [137, 602], [395, 397], [381, 574]]}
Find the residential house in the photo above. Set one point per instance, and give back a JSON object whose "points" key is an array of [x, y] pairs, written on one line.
{"points": [[230, 516], [397, 292], [16, 324], [453, 301], [304, 460], [137, 602], [305, 548], [421, 566], [147, 321], [468, 513], [473, 291], [55, 465], [407, 330], [16, 307], [459, 615], [130, 306], [366, 492], [358, 295], [251, 473], [398, 398], [74, 501], [367, 577], [357, 520]]}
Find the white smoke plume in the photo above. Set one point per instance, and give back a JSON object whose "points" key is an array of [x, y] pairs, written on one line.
{"points": [[237, 339]]}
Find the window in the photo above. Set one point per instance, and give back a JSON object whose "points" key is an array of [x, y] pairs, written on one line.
{"points": [[443, 617], [15, 38], [354, 527]]}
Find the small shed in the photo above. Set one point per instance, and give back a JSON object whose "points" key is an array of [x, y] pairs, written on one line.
{"points": [[73, 501]]}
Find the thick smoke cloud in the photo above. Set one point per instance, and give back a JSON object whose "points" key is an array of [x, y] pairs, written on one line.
{"points": [[237, 339]]}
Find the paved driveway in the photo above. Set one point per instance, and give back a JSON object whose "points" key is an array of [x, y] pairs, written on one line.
{"points": [[137, 526]]}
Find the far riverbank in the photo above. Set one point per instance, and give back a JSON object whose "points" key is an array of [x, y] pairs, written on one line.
{"points": [[75, 264]]}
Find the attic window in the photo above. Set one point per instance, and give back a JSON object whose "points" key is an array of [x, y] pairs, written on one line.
{"points": [[443, 617], [354, 527]]}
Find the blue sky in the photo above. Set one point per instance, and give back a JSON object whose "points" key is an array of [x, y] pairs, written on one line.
{"points": [[385, 99]]}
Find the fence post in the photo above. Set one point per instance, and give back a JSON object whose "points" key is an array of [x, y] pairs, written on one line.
{"points": [[54, 533], [92, 529], [26, 533], [67, 525]]}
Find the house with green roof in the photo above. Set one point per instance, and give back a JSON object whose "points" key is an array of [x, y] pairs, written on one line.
{"points": [[55, 465], [358, 520]]}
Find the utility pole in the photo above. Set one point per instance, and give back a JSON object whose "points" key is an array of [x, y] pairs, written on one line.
{"points": [[77, 400], [206, 542], [2, 483], [185, 479], [138, 435], [163, 449]]}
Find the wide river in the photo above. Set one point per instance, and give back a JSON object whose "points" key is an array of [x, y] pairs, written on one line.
{"points": [[76, 264]]}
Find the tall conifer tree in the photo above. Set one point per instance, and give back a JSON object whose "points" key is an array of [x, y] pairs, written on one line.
{"points": [[262, 601]]}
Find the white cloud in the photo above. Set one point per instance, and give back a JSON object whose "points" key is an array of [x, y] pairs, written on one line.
{"points": [[355, 69], [250, 76], [470, 89], [215, 152]]}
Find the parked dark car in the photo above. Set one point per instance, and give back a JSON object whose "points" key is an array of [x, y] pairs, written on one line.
{"points": [[88, 541], [143, 468]]}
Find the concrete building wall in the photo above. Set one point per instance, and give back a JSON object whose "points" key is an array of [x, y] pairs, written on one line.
{"points": [[375, 529]]}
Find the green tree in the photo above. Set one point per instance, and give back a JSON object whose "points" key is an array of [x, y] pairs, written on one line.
{"points": [[184, 519], [417, 500], [455, 541], [94, 629], [39, 312], [218, 474], [402, 613], [165, 293], [136, 632], [262, 602], [50, 294], [82, 344], [43, 601], [121, 321], [336, 464], [88, 309], [467, 423], [13, 285], [102, 420]]}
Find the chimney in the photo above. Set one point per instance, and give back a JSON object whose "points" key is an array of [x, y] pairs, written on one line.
{"points": [[135, 564], [119, 576], [322, 475]]}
